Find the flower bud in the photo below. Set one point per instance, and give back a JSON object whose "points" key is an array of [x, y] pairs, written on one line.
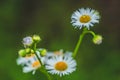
{"points": [[97, 39], [36, 38], [43, 52], [27, 41], [28, 50], [22, 53], [32, 51]]}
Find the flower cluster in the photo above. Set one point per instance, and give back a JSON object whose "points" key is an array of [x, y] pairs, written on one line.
{"points": [[56, 62], [59, 63]]}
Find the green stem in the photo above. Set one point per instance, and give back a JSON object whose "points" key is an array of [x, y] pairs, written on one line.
{"points": [[42, 69], [34, 47], [78, 45], [85, 31], [91, 32], [45, 72]]}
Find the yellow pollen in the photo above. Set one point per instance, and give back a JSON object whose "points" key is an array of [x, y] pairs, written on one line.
{"points": [[61, 66], [36, 64], [85, 18]]}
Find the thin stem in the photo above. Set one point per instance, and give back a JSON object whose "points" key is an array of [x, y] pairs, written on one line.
{"points": [[91, 33], [42, 69], [85, 31], [46, 73], [78, 45], [34, 47]]}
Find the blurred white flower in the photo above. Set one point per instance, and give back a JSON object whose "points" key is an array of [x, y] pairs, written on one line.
{"points": [[57, 53], [85, 18], [29, 63]]}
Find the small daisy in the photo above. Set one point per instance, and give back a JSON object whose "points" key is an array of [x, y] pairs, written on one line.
{"points": [[29, 63], [85, 18], [61, 65], [27, 41]]}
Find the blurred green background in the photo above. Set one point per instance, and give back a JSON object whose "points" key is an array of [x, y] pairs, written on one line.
{"points": [[51, 20]]}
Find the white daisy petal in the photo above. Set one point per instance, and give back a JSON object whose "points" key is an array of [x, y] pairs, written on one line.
{"points": [[27, 69]]}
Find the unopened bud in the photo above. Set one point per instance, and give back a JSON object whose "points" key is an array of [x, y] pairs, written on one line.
{"points": [[36, 38], [97, 39], [32, 51], [22, 53], [28, 50], [43, 52]]}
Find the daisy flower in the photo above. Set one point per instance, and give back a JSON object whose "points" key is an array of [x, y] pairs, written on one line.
{"points": [[61, 65], [29, 63], [85, 18]]}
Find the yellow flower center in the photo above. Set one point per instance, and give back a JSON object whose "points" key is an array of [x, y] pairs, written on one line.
{"points": [[36, 64], [61, 66], [85, 18]]}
